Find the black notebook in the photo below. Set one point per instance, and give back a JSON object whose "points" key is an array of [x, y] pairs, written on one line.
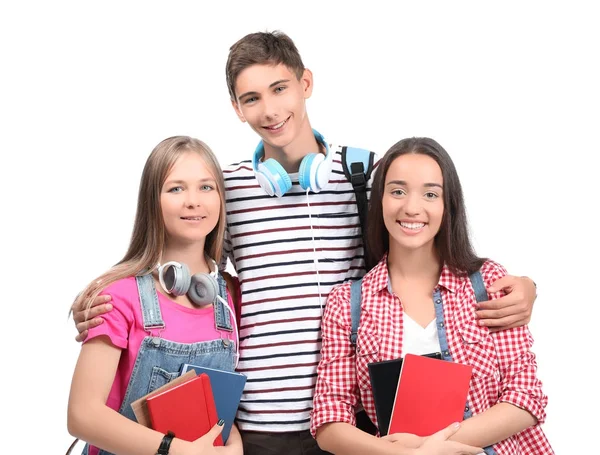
{"points": [[384, 382]]}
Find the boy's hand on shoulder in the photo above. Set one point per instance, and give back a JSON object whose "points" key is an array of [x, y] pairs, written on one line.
{"points": [[512, 310], [86, 319]]}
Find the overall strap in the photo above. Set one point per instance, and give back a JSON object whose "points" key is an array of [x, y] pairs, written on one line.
{"points": [[355, 298], [222, 316], [149, 303], [478, 286]]}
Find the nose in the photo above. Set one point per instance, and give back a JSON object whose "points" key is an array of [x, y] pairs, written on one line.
{"points": [[413, 205], [269, 108], [193, 199]]}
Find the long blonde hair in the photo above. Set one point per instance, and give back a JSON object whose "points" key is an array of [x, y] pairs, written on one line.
{"points": [[149, 235]]}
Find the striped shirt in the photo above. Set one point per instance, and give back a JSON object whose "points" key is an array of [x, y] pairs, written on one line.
{"points": [[288, 253]]}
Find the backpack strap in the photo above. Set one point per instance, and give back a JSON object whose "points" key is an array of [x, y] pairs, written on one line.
{"points": [[358, 165], [355, 298], [478, 286]]}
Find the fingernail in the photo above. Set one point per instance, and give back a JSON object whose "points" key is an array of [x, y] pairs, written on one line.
{"points": [[455, 425], [109, 306], [481, 322], [99, 321], [106, 298], [221, 422]]}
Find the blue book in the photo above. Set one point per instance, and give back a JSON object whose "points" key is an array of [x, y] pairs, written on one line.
{"points": [[227, 388]]}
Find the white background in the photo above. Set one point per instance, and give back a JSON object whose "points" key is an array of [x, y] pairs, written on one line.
{"points": [[89, 88]]}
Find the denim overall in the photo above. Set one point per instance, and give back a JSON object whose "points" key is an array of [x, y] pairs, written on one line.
{"points": [[159, 360], [480, 295]]}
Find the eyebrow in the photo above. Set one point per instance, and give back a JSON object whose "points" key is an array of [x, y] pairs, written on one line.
{"points": [[426, 185], [172, 182], [281, 81]]}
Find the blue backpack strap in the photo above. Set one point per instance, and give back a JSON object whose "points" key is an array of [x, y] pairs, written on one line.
{"points": [[355, 298], [358, 165], [478, 286]]}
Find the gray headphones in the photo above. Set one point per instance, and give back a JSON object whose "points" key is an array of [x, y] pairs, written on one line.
{"points": [[201, 288]]}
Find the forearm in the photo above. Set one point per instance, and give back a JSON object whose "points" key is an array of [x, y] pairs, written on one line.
{"points": [[341, 438], [103, 427], [499, 422]]}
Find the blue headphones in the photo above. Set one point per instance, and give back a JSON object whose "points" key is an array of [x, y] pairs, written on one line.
{"points": [[313, 174]]}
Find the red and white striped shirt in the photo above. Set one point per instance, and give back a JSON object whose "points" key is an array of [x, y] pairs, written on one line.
{"points": [[270, 243], [504, 368]]}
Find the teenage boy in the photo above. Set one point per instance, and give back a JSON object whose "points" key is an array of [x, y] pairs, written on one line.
{"points": [[293, 233]]}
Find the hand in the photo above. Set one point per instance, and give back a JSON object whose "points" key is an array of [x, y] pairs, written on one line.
{"points": [[407, 440], [204, 444], [512, 310], [87, 318], [438, 444]]}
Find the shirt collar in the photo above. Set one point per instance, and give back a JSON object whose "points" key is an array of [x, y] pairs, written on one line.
{"points": [[378, 277]]}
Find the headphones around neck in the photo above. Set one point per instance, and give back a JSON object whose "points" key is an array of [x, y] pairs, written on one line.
{"points": [[201, 288], [313, 174]]}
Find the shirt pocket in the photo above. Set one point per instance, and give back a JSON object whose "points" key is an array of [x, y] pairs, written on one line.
{"points": [[367, 351], [479, 349]]}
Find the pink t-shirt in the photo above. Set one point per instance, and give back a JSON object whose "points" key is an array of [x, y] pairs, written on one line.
{"points": [[124, 326]]}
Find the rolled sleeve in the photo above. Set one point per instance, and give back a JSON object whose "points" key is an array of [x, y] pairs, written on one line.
{"points": [[117, 322], [518, 367], [336, 393]]}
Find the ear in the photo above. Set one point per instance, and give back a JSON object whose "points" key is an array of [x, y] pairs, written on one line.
{"points": [[307, 83], [238, 111]]}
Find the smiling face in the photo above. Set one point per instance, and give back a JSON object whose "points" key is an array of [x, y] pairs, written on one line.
{"points": [[272, 100], [190, 202], [413, 202]]}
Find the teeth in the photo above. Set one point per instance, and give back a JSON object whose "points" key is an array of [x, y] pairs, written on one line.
{"points": [[412, 225], [195, 218], [279, 125]]}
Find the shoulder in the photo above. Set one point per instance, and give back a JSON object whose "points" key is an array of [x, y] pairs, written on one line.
{"points": [[124, 292], [240, 168], [491, 271]]}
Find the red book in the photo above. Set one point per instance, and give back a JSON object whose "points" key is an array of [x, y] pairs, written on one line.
{"points": [[431, 395], [188, 410]]}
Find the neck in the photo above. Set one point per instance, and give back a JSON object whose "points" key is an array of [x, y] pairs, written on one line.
{"points": [[414, 263], [291, 155], [191, 255]]}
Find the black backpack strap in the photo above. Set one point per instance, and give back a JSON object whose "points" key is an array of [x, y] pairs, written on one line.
{"points": [[355, 298], [358, 165]]}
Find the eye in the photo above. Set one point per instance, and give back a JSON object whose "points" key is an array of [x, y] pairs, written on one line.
{"points": [[398, 192], [431, 195], [280, 89], [207, 187], [175, 189], [250, 100]]}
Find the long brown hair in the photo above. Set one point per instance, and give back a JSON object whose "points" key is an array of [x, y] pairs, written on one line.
{"points": [[149, 235], [452, 241]]}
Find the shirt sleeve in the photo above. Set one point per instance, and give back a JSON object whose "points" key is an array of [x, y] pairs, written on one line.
{"points": [[336, 393], [117, 322], [520, 385]]}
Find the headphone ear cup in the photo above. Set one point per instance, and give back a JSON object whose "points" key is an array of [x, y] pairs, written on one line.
{"points": [[203, 290], [304, 173], [273, 178], [176, 279]]}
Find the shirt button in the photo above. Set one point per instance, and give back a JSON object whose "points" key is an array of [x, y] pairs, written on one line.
{"points": [[358, 350]]}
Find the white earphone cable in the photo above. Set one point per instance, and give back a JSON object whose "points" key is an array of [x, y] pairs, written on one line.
{"points": [[315, 259]]}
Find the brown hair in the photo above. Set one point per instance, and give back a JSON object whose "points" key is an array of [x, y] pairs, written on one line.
{"points": [[258, 49], [148, 237], [452, 241]]}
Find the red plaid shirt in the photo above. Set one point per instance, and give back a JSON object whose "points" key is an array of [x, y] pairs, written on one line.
{"points": [[503, 366]]}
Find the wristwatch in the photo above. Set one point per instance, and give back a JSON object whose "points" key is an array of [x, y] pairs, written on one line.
{"points": [[163, 448]]}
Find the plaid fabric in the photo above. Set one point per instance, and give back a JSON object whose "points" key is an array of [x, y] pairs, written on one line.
{"points": [[504, 368]]}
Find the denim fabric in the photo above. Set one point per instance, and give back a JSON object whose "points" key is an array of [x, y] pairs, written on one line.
{"points": [[159, 361]]}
